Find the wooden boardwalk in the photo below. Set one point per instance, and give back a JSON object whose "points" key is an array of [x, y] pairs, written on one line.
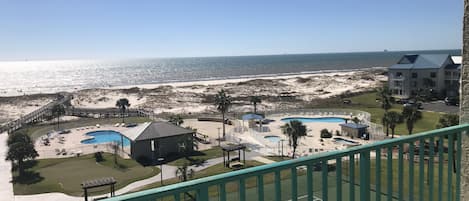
{"points": [[35, 116], [41, 113]]}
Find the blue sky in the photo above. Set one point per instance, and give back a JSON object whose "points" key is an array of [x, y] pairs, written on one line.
{"points": [[87, 29]]}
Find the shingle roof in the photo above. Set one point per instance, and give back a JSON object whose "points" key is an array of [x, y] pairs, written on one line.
{"points": [[354, 125], [162, 129], [422, 61]]}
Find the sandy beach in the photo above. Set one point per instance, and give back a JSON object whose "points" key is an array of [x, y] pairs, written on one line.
{"points": [[276, 92]]}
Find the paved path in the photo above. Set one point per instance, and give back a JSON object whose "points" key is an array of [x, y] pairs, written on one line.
{"points": [[263, 160], [6, 188]]}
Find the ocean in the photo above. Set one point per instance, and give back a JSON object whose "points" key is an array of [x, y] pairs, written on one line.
{"points": [[32, 77]]}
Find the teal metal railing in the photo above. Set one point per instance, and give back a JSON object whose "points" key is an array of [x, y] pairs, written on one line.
{"points": [[424, 166]]}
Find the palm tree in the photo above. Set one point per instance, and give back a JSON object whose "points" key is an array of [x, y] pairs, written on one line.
{"points": [[176, 120], [295, 130], [255, 100], [385, 96], [223, 103], [392, 119], [183, 173], [58, 110], [123, 104], [411, 114]]}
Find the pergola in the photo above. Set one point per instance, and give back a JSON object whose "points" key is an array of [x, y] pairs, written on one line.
{"points": [[248, 117], [232, 148], [108, 181]]}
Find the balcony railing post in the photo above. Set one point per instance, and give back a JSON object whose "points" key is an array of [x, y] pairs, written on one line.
{"points": [[365, 176]]}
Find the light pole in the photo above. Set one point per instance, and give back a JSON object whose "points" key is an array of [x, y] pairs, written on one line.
{"points": [[160, 160], [219, 136]]}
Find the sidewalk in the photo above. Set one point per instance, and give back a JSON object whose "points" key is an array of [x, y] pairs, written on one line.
{"points": [[6, 188]]}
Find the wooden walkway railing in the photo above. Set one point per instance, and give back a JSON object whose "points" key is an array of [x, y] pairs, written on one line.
{"points": [[35, 116]]}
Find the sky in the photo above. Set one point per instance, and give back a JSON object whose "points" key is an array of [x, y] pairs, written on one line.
{"points": [[89, 29]]}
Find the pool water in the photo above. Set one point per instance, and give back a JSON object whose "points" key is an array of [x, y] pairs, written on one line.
{"points": [[272, 138], [315, 120], [105, 137]]}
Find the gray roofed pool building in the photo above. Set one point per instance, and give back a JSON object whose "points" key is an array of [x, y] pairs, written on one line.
{"points": [[433, 74], [152, 140]]}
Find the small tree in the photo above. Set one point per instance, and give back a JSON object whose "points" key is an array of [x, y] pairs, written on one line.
{"points": [[356, 120], [184, 173], [176, 120], [20, 148], [411, 114], [223, 103], [295, 130], [448, 120], [58, 110], [255, 100], [393, 118], [325, 133], [123, 104]]}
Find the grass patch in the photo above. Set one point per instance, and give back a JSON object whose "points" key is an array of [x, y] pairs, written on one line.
{"points": [[35, 131], [65, 175], [197, 157], [277, 158]]}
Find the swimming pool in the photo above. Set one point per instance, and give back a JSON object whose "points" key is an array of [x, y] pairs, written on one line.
{"points": [[315, 120], [272, 138], [105, 137], [345, 141]]}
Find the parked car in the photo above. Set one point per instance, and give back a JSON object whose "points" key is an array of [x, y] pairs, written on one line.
{"points": [[412, 104]]}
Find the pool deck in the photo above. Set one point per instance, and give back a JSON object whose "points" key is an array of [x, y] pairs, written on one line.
{"points": [[71, 142]]}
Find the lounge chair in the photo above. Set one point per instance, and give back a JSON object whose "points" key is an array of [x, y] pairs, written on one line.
{"points": [[117, 125], [64, 152]]}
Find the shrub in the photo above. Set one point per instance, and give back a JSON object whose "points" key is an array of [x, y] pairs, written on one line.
{"points": [[98, 157], [325, 133], [337, 132]]}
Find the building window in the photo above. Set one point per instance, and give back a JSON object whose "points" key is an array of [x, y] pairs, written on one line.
{"points": [[414, 84], [398, 74], [414, 75], [433, 74]]}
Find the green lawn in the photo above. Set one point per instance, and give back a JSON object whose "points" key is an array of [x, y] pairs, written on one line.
{"points": [[196, 157], [35, 131], [367, 102], [65, 175]]}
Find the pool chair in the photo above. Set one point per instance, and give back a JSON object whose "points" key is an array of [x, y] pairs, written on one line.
{"points": [[117, 125], [97, 125]]}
